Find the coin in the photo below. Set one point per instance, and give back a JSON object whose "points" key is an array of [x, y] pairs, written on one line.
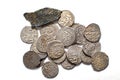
{"points": [[42, 42], [28, 35], [50, 69], [66, 35], [74, 53], [100, 61], [55, 49], [31, 60], [92, 32], [67, 65], [66, 19], [91, 48]]}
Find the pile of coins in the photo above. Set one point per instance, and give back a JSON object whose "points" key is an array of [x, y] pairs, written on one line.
{"points": [[54, 35]]}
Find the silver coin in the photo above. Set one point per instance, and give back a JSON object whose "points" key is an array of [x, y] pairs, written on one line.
{"points": [[42, 42], [66, 19], [55, 49], [28, 35], [92, 32], [74, 53], [50, 70], [100, 61], [67, 65], [66, 35], [91, 48]]}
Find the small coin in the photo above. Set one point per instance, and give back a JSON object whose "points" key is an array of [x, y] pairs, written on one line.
{"points": [[91, 48], [66, 19], [28, 35], [31, 60], [67, 65], [100, 61], [50, 69], [92, 32], [42, 42], [55, 49], [74, 53], [66, 35]]}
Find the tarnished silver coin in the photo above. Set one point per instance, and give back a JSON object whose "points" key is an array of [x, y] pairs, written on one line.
{"points": [[67, 65], [55, 49], [74, 53], [50, 69], [100, 61], [92, 32], [66, 35], [66, 19], [29, 35], [91, 48], [42, 42]]}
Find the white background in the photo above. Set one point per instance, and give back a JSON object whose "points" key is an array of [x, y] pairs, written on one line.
{"points": [[106, 13]]}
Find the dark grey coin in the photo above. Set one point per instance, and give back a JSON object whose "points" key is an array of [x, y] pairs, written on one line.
{"points": [[92, 32], [74, 53], [31, 60], [91, 48], [50, 69], [42, 17], [100, 61], [67, 65], [66, 35]]}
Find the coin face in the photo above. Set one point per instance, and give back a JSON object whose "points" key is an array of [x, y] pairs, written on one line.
{"points": [[66, 35], [55, 49], [28, 35], [50, 69], [74, 53], [92, 32], [66, 19], [31, 60], [100, 61], [91, 48]]}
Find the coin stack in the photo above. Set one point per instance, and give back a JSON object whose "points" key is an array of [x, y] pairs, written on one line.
{"points": [[53, 34]]}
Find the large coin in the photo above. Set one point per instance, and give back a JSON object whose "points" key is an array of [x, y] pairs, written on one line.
{"points": [[28, 35]]}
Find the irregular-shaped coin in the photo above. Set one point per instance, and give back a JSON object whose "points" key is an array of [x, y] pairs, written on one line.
{"points": [[29, 35], [92, 32], [31, 60], [100, 61], [66, 19], [66, 35], [50, 69]]}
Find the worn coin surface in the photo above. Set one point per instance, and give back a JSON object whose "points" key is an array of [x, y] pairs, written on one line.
{"points": [[55, 49], [50, 69], [31, 60], [66, 35], [66, 19], [74, 53], [92, 32], [100, 61], [28, 35], [91, 48]]}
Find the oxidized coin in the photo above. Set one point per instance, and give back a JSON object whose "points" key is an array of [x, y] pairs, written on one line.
{"points": [[55, 49], [74, 53], [67, 65], [31, 60], [92, 32], [66, 19], [42, 42], [50, 69], [29, 35], [66, 35], [91, 48], [100, 61]]}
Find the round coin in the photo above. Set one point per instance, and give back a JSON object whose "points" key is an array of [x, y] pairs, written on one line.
{"points": [[28, 35], [50, 69]]}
